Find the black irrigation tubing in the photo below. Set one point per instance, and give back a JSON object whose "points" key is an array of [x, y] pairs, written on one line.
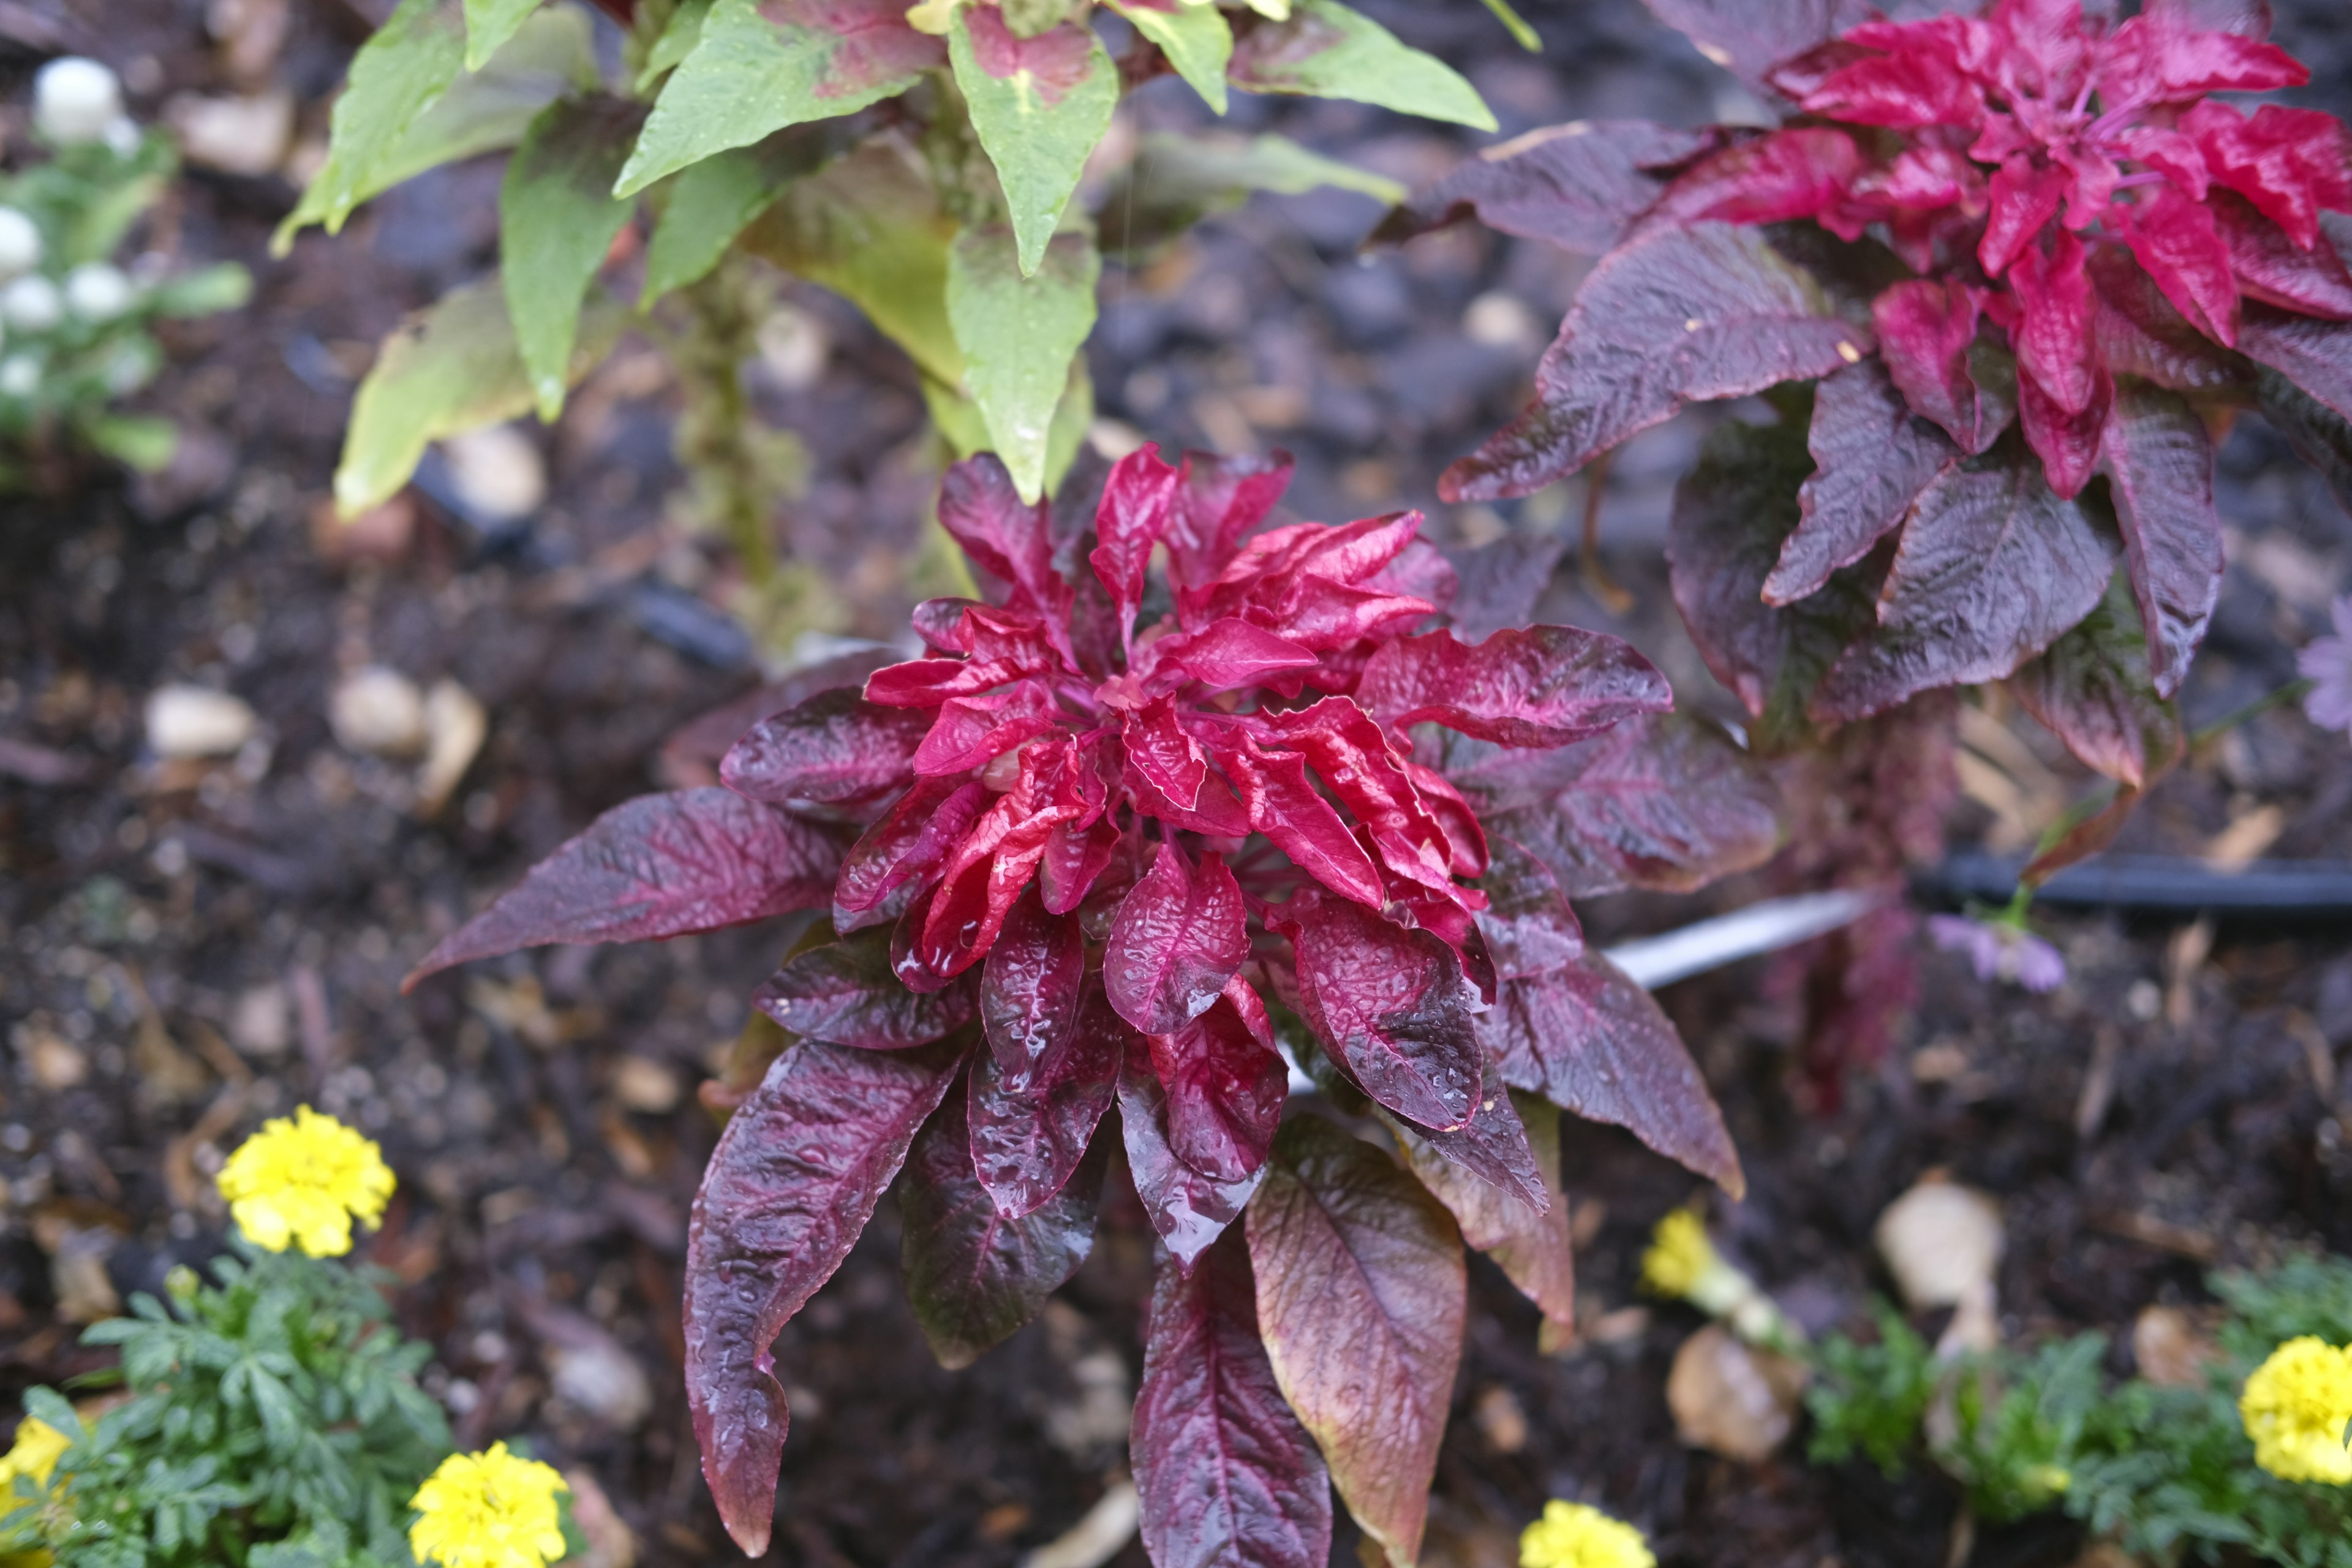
{"points": [[2154, 885]]}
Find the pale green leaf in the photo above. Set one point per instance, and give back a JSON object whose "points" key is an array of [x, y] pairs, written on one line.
{"points": [[139, 441], [1038, 135], [1177, 180], [712, 202], [557, 218], [960, 424], [1018, 335], [746, 78], [1197, 40], [223, 286], [678, 37], [1325, 50], [397, 75], [452, 371], [490, 23], [870, 229]]}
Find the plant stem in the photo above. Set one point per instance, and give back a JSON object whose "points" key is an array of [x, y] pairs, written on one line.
{"points": [[715, 430]]}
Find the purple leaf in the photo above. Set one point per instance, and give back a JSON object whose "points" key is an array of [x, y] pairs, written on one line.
{"points": [[1188, 1209], [2320, 436], [1874, 459], [1229, 1478], [1030, 1128], [1578, 185], [2315, 355], [844, 994], [1492, 1150], [1030, 984], [1539, 687], [2159, 468], [1136, 504], [662, 865], [1361, 1298], [910, 842], [1667, 803], [1010, 540], [2092, 691], [973, 1274], [1389, 1003], [1177, 939], [835, 753], [1993, 569], [2139, 334], [1226, 1085], [1591, 1041], [1531, 1242], [1528, 926], [1679, 315], [791, 1183], [1751, 36]]}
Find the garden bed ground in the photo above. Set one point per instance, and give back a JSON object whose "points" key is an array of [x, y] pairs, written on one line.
{"points": [[187, 947]]}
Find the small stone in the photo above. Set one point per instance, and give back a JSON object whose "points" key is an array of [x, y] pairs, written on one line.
{"points": [[76, 101], [380, 712], [197, 721], [2170, 1349], [1501, 1419], [497, 474], [99, 292], [456, 725], [1731, 1398], [642, 1084], [611, 1543], [55, 1063], [604, 1381], [245, 136], [795, 348], [261, 1021], [1940, 1241], [1501, 320]]}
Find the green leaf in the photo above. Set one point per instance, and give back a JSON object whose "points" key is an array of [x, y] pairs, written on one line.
{"points": [[557, 219], [1040, 121], [223, 286], [551, 53], [490, 23], [748, 76], [870, 229], [1325, 50], [1177, 179], [959, 422], [398, 74], [715, 200], [680, 35], [1018, 335], [1196, 39], [140, 442], [456, 369]]}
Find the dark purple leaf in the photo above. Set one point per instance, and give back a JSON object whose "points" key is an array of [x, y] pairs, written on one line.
{"points": [[2320, 436], [1229, 1478], [1188, 1209], [1030, 1128], [1361, 1298], [846, 995], [1497, 585], [1751, 36], [974, 1275], [1543, 686], [1532, 1243], [1874, 459], [1180, 936], [2160, 469], [910, 842], [1492, 1150], [1578, 185], [1007, 538], [1591, 1041], [1680, 315], [2092, 691], [1030, 984], [1993, 568], [791, 1183], [1529, 925], [1667, 803], [2315, 355], [692, 755], [1226, 1085], [1389, 1003], [837, 753], [662, 865]]}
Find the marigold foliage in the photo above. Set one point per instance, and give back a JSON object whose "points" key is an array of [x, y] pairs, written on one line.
{"points": [[301, 1181], [2295, 1407], [1578, 1535], [491, 1509]]}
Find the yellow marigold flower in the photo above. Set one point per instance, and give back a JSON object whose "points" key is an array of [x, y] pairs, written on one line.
{"points": [[2295, 1407], [492, 1509], [1680, 1255], [1577, 1535], [36, 1452], [302, 1181]]}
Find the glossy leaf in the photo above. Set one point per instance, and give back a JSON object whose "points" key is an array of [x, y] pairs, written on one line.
{"points": [[1229, 1478], [974, 1275], [1531, 1242], [1543, 686], [1226, 1085], [2092, 690], [844, 994], [1030, 986], [1681, 314], [1491, 1148], [1927, 336], [2315, 355], [1038, 105], [1032, 1127], [795, 1177], [2159, 468], [1577, 185], [662, 865], [1018, 335], [1190, 1210], [557, 219], [1589, 1040], [1528, 926], [2320, 436], [1180, 936], [909, 842], [1284, 804], [1008, 537], [1392, 1005], [1138, 500], [759, 65], [835, 752], [1196, 39], [1993, 568], [1324, 49], [1874, 458], [1361, 1298]]}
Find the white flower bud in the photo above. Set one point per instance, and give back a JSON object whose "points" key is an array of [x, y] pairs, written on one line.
{"points": [[98, 292], [20, 243], [75, 100], [32, 304], [20, 376]]}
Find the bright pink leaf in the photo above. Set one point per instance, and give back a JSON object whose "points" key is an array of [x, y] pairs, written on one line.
{"points": [[2053, 330], [1030, 1128], [1136, 502], [1221, 499], [1282, 803], [2180, 247], [2066, 442], [1226, 1085], [876, 44], [2269, 266], [2292, 163], [2157, 60], [1030, 984], [1005, 536], [2025, 199], [967, 730], [1179, 936], [1927, 338], [909, 842]]}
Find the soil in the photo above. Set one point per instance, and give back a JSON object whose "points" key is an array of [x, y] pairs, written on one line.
{"points": [[186, 948]]}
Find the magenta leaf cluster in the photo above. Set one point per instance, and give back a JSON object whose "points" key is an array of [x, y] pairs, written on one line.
{"points": [[2028, 266], [1123, 837]]}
